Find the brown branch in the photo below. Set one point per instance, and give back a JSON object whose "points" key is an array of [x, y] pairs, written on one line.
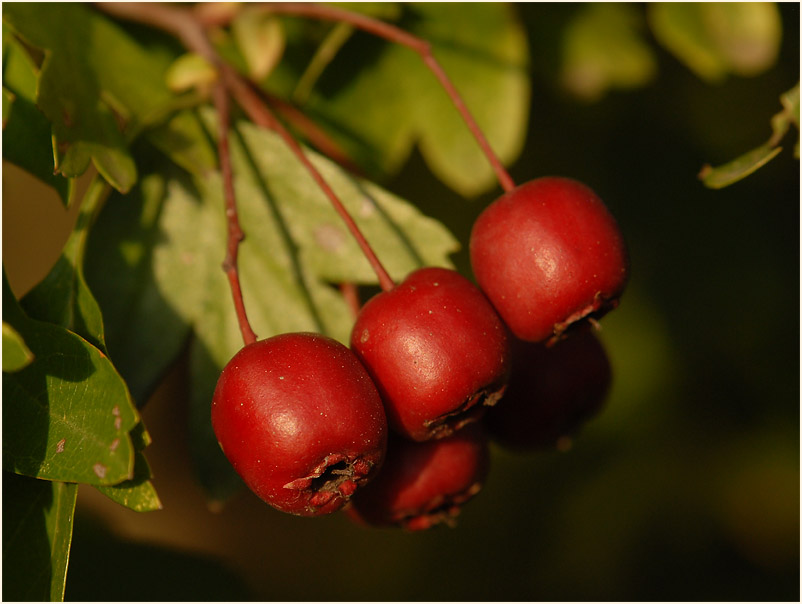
{"points": [[399, 36]]}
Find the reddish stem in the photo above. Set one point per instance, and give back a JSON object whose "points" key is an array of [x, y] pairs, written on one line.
{"points": [[185, 25], [235, 234], [399, 36], [262, 116], [351, 295]]}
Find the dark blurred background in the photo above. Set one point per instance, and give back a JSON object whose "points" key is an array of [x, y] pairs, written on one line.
{"points": [[685, 487]]}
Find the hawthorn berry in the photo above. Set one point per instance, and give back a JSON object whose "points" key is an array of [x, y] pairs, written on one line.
{"points": [[422, 484], [301, 422], [552, 392], [549, 254], [436, 350]]}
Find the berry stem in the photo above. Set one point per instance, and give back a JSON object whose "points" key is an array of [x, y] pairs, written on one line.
{"points": [[399, 36], [262, 116], [188, 28], [235, 234]]}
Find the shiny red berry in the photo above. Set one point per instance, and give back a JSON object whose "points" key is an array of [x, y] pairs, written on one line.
{"points": [[424, 483], [301, 422], [553, 391], [436, 350], [549, 254]]}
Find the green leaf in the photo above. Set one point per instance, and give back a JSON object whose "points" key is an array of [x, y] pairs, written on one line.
{"points": [[603, 48], [67, 415], [739, 168], [380, 98], [26, 129], [138, 493], [170, 237], [68, 93], [260, 38], [16, 355], [63, 297], [190, 70], [715, 39], [37, 521], [183, 139], [747, 163], [8, 103]]}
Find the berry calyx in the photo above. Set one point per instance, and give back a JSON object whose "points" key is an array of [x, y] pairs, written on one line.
{"points": [[552, 392], [549, 254], [300, 421], [436, 350], [423, 484]]}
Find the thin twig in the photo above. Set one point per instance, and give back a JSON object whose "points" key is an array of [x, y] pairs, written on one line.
{"points": [[235, 234], [404, 38], [193, 37]]}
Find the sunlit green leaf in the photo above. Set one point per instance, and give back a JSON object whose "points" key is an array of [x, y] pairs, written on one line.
{"points": [[16, 354], [190, 71], [156, 267], [714, 39], [37, 533], [604, 48], [67, 415], [745, 164], [741, 167], [260, 38]]}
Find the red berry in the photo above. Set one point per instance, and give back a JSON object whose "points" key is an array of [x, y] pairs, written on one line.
{"points": [[548, 254], [422, 484], [552, 391], [436, 350], [301, 422]]}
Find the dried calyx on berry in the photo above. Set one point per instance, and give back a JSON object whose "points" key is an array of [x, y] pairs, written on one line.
{"points": [[437, 351], [301, 422]]}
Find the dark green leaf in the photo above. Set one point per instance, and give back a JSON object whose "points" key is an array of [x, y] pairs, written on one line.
{"points": [[380, 98], [16, 354], [37, 533], [26, 129], [63, 297], [604, 48], [69, 93], [67, 415], [138, 319]]}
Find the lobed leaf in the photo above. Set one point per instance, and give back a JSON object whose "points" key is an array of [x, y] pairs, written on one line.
{"points": [[716, 39], [603, 48], [379, 99], [155, 266]]}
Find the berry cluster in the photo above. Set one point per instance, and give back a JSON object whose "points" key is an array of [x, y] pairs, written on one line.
{"points": [[397, 426]]}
